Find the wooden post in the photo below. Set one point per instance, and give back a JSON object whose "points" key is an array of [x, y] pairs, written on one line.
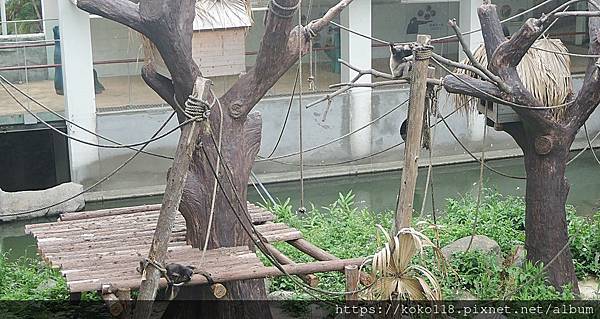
{"points": [[418, 90], [124, 295], [352, 278], [175, 182]]}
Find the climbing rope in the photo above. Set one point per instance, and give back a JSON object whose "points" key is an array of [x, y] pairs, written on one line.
{"points": [[287, 115], [587, 136], [3, 80], [302, 208], [263, 159], [254, 235], [103, 179], [435, 110], [214, 192], [480, 185]]}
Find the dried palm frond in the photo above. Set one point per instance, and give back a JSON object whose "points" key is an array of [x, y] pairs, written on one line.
{"points": [[545, 74], [394, 276]]}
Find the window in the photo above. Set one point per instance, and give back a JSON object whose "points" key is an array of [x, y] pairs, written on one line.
{"points": [[21, 17]]}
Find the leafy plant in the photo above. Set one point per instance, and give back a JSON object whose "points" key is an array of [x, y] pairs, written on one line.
{"points": [[28, 279]]}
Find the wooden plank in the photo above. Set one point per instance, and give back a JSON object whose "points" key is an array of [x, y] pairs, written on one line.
{"points": [[283, 237], [140, 248], [252, 273], [174, 253], [108, 212], [225, 263], [106, 243]]}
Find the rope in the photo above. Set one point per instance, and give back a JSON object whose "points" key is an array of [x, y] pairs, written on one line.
{"points": [[302, 208], [541, 273], [263, 187], [263, 159], [480, 185], [105, 178], [587, 136], [583, 150], [363, 157], [253, 233], [359, 34], [475, 158], [129, 146], [449, 37], [287, 115], [214, 192]]}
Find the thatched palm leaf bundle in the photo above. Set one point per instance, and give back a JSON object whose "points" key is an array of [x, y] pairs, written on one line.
{"points": [[545, 74]]}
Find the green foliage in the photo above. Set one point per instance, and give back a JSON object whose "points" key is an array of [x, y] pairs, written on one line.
{"points": [[482, 276], [585, 243], [348, 232], [18, 10], [28, 279], [501, 218]]}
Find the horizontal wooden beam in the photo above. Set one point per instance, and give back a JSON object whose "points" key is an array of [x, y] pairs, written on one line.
{"points": [[263, 272]]}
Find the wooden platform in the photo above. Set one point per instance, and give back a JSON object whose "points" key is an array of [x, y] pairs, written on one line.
{"points": [[98, 248]]}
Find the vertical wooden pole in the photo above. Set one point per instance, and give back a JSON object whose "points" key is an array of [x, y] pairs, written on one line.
{"points": [[352, 278], [418, 91], [175, 182], [124, 295]]}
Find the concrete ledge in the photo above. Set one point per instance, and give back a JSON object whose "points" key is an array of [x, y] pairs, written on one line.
{"points": [[326, 172]]}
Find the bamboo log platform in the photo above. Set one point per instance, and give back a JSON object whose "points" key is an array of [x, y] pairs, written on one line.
{"points": [[94, 249]]}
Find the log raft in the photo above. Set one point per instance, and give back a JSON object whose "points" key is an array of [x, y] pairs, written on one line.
{"points": [[94, 249]]}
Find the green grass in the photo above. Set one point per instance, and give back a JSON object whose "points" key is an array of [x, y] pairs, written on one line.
{"points": [[347, 232], [28, 279]]}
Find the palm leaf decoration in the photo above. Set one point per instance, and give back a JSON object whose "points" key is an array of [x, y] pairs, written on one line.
{"points": [[393, 273], [545, 74]]}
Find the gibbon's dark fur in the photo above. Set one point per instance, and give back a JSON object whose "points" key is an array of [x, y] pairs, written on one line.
{"points": [[400, 67]]}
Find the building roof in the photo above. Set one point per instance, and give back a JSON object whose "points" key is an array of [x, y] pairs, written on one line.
{"points": [[222, 14]]}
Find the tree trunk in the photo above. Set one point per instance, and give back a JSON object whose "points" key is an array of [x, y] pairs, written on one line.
{"points": [[546, 197], [240, 144]]}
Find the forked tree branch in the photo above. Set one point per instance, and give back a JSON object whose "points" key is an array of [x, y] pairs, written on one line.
{"points": [[121, 11], [474, 62], [458, 65], [281, 47]]}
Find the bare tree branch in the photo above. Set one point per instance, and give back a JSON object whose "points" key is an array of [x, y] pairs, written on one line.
{"points": [[344, 87], [279, 50], [588, 97], [318, 24], [500, 51], [476, 64], [121, 11], [464, 84], [160, 84], [467, 67]]}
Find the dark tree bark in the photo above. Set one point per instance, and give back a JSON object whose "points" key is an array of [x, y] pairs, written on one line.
{"points": [[545, 140], [168, 25]]}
